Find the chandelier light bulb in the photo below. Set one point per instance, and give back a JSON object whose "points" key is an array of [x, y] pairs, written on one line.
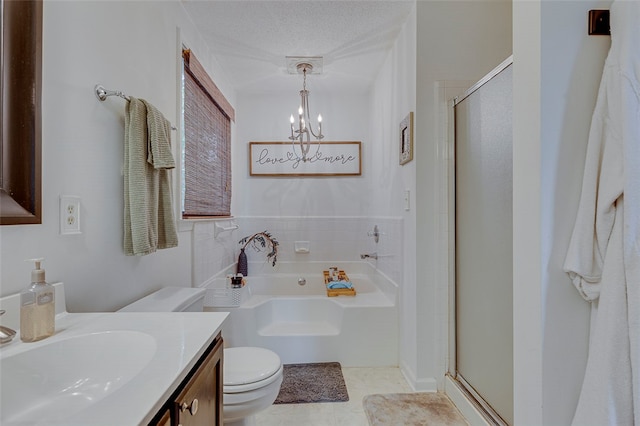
{"points": [[291, 119], [319, 118], [300, 110]]}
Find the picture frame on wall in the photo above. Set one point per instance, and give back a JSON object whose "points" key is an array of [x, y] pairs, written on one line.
{"points": [[406, 139], [342, 158]]}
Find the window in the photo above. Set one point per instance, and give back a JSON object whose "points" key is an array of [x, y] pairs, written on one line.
{"points": [[206, 152]]}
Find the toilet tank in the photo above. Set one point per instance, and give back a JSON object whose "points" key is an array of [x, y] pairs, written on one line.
{"points": [[169, 299]]}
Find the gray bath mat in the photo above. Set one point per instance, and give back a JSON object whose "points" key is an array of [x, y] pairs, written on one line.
{"points": [[412, 409], [317, 382]]}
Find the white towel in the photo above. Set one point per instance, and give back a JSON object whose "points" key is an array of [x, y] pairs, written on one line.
{"points": [[603, 259], [148, 210]]}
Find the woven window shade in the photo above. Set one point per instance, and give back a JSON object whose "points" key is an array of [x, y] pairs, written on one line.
{"points": [[207, 132]]}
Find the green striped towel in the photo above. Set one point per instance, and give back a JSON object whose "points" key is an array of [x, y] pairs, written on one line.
{"points": [[149, 222]]}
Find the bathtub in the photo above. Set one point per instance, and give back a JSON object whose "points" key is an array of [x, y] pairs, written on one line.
{"points": [[302, 324]]}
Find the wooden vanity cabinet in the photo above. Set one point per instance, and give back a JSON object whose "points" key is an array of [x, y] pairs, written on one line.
{"points": [[198, 400], [165, 419]]}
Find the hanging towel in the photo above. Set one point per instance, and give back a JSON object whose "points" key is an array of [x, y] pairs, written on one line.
{"points": [[159, 139], [603, 259], [149, 222]]}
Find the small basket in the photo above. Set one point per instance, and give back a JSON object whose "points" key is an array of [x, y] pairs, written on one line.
{"points": [[223, 297]]}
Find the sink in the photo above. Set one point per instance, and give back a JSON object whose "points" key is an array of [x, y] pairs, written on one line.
{"points": [[56, 380], [101, 368]]}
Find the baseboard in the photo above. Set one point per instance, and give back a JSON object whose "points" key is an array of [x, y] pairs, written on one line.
{"points": [[466, 407], [429, 384]]}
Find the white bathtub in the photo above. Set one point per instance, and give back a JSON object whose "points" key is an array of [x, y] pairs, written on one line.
{"points": [[302, 324]]}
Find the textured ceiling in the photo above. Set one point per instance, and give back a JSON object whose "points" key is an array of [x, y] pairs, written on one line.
{"points": [[251, 39]]}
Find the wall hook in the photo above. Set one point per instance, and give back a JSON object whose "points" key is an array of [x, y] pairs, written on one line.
{"points": [[599, 22]]}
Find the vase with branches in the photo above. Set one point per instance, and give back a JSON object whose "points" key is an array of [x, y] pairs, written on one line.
{"points": [[259, 241]]}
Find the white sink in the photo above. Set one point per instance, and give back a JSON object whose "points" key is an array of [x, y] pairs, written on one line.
{"points": [[102, 369], [59, 379]]}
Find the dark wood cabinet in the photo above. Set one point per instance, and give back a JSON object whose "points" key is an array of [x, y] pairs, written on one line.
{"points": [[165, 418], [198, 400]]}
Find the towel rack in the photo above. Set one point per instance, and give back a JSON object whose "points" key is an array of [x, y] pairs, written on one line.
{"points": [[102, 94], [217, 229]]}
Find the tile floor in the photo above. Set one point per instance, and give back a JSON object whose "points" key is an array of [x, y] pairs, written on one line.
{"points": [[359, 381]]}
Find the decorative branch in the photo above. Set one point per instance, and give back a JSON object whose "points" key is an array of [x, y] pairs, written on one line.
{"points": [[259, 241]]}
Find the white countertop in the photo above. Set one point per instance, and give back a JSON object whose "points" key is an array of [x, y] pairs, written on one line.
{"points": [[180, 338]]}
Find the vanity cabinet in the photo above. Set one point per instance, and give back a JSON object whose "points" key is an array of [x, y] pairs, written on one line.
{"points": [[198, 400], [165, 419]]}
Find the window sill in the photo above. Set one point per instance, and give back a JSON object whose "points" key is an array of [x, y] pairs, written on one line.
{"points": [[187, 224]]}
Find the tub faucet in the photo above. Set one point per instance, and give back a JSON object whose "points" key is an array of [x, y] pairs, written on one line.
{"points": [[6, 334], [369, 255]]}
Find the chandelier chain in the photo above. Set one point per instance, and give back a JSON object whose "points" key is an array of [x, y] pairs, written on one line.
{"points": [[304, 78], [301, 137]]}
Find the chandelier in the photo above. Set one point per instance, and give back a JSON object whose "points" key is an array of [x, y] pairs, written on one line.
{"points": [[302, 132]]}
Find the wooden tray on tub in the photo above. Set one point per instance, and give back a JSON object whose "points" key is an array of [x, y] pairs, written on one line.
{"points": [[331, 292]]}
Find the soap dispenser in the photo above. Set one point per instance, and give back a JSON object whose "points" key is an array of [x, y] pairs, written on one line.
{"points": [[37, 307]]}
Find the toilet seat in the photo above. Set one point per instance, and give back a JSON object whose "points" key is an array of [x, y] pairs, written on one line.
{"points": [[249, 368]]}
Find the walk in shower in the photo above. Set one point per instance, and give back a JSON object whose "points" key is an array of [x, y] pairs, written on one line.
{"points": [[483, 361]]}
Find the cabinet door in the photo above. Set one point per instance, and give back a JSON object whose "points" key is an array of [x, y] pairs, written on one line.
{"points": [[165, 420], [200, 402]]}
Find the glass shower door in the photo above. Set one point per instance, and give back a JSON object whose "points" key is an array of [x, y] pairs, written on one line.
{"points": [[483, 244]]}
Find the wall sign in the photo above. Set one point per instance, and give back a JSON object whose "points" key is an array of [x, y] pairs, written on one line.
{"points": [[326, 159]]}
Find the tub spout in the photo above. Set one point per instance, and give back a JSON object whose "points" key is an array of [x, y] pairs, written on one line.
{"points": [[369, 255], [6, 334]]}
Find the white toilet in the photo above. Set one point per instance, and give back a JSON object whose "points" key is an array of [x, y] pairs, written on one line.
{"points": [[252, 376]]}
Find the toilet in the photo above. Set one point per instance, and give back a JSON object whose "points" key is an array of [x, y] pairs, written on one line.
{"points": [[251, 376]]}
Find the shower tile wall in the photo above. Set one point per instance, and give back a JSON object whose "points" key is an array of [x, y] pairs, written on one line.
{"points": [[333, 239], [212, 254]]}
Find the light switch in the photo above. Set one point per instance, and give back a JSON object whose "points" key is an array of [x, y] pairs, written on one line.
{"points": [[407, 200]]}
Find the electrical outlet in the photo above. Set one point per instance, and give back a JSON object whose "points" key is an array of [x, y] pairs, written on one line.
{"points": [[69, 215]]}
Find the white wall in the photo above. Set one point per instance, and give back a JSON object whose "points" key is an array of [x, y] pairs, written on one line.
{"points": [[557, 70], [394, 96], [130, 46], [265, 117], [527, 305]]}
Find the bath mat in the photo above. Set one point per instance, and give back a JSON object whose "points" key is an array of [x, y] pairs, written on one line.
{"points": [[412, 409], [317, 382]]}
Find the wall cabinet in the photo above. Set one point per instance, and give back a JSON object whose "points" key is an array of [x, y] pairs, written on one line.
{"points": [[198, 400]]}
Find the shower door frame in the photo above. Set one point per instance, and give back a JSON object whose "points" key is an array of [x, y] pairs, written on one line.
{"points": [[478, 406]]}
